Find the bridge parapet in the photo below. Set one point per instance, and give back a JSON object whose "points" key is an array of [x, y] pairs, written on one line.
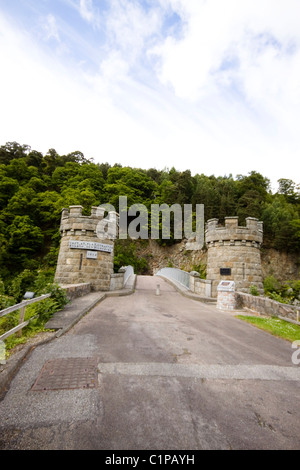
{"points": [[190, 281]]}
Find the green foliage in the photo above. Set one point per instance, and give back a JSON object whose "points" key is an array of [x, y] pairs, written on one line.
{"points": [[125, 255], [22, 283], [254, 290], [287, 292], [35, 187], [6, 301], [38, 313], [275, 326], [271, 284], [281, 224], [201, 269], [58, 295]]}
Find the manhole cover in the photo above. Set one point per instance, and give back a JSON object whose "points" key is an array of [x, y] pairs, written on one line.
{"points": [[67, 373]]}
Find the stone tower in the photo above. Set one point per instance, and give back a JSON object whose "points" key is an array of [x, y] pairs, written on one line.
{"points": [[87, 248], [234, 253]]}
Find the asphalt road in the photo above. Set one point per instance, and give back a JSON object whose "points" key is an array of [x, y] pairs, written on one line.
{"points": [[173, 374]]}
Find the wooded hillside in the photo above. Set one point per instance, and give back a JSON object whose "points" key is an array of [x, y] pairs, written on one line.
{"points": [[35, 187]]}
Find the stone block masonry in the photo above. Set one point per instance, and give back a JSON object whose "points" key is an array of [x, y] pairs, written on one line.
{"points": [[267, 306], [83, 256], [234, 253]]}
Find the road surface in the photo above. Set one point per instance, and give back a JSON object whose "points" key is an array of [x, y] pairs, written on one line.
{"points": [[173, 374]]}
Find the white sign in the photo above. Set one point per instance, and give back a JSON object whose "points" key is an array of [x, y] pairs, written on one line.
{"points": [[90, 246], [92, 254]]}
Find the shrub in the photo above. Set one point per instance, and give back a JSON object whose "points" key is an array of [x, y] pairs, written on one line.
{"points": [[21, 283], [254, 290], [125, 255], [271, 284], [201, 269]]}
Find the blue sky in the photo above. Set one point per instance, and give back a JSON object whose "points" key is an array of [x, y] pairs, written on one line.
{"points": [[207, 85]]}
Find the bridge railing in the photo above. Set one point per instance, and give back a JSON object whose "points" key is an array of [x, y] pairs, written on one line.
{"points": [[175, 274], [21, 306], [190, 281]]}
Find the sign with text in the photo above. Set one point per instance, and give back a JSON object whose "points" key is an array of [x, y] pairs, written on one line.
{"points": [[91, 246], [92, 254], [225, 271]]}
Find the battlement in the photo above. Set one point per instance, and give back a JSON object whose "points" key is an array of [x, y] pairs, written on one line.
{"points": [[233, 233], [87, 247], [73, 222]]}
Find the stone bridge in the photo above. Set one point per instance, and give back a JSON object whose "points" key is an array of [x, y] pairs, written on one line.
{"points": [[152, 370]]}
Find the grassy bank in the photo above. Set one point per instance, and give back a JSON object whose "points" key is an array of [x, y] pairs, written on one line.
{"points": [[275, 326]]}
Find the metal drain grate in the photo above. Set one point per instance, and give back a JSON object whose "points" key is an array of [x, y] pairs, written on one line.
{"points": [[67, 373]]}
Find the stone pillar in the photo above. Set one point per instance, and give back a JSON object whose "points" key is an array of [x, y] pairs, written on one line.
{"points": [[226, 295], [83, 256]]}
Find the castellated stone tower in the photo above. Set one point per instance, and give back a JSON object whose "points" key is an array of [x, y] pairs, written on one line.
{"points": [[234, 253], [87, 248]]}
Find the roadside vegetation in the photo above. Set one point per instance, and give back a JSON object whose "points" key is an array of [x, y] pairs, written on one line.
{"points": [[38, 313], [285, 292], [275, 326]]}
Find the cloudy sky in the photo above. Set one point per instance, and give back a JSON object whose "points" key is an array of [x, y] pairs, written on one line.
{"points": [[207, 85]]}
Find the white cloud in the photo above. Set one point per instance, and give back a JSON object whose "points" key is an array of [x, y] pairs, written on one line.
{"points": [[129, 27], [86, 9], [50, 28], [89, 13], [239, 62], [215, 30], [235, 72]]}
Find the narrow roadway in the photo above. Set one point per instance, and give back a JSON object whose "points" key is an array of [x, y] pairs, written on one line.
{"points": [[174, 374]]}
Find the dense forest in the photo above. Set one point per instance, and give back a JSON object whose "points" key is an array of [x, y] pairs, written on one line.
{"points": [[35, 187]]}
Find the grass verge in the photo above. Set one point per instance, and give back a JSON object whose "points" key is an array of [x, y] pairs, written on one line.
{"points": [[275, 326]]}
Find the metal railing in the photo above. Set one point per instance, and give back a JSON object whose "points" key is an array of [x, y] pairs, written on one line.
{"points": [[175, 274], [21, 306]]}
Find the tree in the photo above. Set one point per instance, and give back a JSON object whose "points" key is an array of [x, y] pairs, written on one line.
{"points": [[12, 150], [130, 182], [281, 229], [288, 188], [24, 237], [206, 193], [8, 187]]}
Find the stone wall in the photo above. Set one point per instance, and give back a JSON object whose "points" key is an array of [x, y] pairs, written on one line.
{"points": [[76, 290], [266, 306], [200, 286], [117, 281]]}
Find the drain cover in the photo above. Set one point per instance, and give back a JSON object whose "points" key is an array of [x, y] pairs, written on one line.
{"points": [[67, 373]]}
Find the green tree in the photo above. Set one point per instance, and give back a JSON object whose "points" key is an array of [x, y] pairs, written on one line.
{"points": [[12, 150], [252, 192], [24, 237], [281, 225], [289, 189], [8, 187]]}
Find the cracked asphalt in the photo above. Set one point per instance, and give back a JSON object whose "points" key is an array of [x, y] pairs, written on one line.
{"points": [[173, 374]]}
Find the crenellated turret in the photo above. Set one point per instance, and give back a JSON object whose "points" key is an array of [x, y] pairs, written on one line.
{"points": [[234, 253], [87, 245]]}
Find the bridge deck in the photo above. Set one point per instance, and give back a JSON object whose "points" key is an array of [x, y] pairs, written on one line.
{"points": [[173, 373]]}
